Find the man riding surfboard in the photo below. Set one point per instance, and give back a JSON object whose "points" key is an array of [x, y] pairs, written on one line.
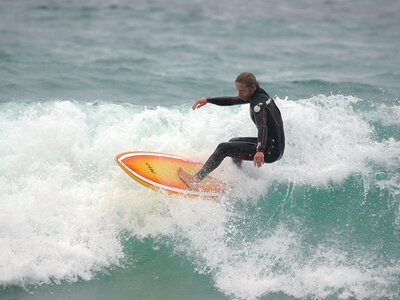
{"points": [[269, 144]]}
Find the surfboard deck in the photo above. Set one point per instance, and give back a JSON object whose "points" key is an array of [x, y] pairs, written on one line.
{"points": [[158, 171]]}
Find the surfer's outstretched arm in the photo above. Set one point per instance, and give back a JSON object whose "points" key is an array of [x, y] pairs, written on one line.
{"points": [[226, 101], [221, 101], [199, 103]]}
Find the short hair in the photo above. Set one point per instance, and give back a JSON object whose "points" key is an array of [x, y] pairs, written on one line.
{"points": [[248, 79]]}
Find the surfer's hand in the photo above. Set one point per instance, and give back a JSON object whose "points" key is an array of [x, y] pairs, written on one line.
{"points": [[199, 103], [259, 159]]}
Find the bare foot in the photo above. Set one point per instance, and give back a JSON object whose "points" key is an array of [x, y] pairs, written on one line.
{"points": [[190, 180]]}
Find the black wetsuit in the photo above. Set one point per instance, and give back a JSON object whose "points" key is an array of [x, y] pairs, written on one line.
{"points": [[270, 140]]}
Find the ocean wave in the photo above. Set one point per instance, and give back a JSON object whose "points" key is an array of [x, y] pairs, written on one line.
{"points": [[315, 224]]}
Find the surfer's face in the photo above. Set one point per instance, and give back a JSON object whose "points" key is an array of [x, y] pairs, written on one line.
{"points": [[244, 91]]}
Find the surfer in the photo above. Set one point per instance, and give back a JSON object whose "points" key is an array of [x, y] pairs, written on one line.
{"points": [[269, 144]]}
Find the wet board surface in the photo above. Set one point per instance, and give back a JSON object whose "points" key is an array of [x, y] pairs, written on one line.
{"points": [[158, 171]]}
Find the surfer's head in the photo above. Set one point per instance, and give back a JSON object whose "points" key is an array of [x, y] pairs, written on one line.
{"points": [[246, 84]]}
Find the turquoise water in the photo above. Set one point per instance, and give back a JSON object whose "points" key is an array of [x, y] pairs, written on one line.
{"points": [[82, 82]]}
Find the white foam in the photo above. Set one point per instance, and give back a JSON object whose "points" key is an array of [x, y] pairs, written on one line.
{"points": [[64, 203]]}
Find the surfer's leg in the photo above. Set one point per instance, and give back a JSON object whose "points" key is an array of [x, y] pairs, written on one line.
{"points": [[239, 150], [252, 140], [237, 162]]}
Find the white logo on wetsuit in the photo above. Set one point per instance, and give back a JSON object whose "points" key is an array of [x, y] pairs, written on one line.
{"points": [[257, 108]]}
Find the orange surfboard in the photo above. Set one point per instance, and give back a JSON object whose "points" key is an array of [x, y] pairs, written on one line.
{"points": [[158, 171]]}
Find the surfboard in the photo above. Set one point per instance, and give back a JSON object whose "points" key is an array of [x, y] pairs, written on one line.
{"points": [[158, 171]]}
